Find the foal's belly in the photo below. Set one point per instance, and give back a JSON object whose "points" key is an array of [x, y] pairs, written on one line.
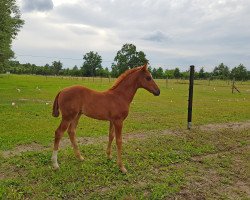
{"points": [[96, 116], [104, 113], [95, 112]]}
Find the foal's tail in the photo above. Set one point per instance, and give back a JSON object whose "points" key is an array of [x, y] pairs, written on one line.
{"points": [[55, 111]]}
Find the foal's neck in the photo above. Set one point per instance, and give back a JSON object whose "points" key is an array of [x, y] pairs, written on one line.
{"points": [[127, 88]]}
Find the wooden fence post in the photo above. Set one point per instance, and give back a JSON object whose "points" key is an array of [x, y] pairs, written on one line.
{"points": [[190, 97]]}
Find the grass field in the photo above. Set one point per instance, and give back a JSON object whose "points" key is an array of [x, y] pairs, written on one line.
{"points": [[161, 164]]}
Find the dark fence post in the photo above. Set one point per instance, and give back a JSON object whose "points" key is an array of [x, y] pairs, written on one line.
{"points": [[190, 96], [233, 85]]}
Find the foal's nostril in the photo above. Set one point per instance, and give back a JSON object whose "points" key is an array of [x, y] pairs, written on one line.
{"points": [[157, 92]]}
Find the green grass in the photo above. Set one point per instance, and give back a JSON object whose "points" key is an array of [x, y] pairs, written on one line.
{"points": [[187, 165], [159, 166], [30, 119]]}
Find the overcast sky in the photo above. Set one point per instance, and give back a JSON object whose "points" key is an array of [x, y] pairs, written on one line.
{"points": [[172, 33]]}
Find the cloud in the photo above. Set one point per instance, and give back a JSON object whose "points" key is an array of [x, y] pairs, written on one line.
{"points": [[171, 33], [37, 5], [156, 36]]}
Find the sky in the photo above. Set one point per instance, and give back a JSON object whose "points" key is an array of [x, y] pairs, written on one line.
{"points": [[172, 33]]}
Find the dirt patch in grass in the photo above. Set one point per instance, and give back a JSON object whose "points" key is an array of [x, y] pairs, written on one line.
{"points": [[2, 176], [201, 158], [213, 180], [65, 142], [242, 186], [232, 126], [23, 148], [35, 100]]}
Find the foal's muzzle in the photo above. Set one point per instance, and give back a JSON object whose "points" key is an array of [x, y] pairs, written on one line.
{"points": [[156, 92]]}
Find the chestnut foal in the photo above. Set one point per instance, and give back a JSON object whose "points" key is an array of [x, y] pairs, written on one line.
{"points": [[111, 105]]}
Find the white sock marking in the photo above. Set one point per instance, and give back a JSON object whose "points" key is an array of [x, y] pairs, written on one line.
{"points": [[54, 159]]}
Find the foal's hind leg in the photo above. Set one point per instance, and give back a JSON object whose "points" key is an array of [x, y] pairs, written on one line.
{"points": [[58, 135], [111, 137], [72, 136]]}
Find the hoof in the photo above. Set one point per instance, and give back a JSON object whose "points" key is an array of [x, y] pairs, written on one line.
{"points": [[81, 158], [55, 166], [109, 156], [123, 170]]}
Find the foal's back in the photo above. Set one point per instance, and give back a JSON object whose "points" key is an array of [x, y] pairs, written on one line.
{"points": [[76, 100]]}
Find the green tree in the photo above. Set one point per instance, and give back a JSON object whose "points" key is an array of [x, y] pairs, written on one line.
{"points": [[159, 73], [103, 72], [169, 73], [177, 73], [128, 58], [114, 70], [239, 72], [56, 67], [185, 74], [221, 72], [154, 73], [201, 74], [75, 71], [47, 70], [10, 24], [92, 62]]}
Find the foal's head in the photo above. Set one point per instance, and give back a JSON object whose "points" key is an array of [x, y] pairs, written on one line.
{"points": [[147, 82]]}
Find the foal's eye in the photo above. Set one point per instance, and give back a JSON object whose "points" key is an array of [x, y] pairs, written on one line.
{"points": [[148, 78]]}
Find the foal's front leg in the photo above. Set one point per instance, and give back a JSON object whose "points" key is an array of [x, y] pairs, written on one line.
{"points": [[118, 135]]}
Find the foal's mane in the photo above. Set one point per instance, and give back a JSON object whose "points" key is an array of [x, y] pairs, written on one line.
{"points": [[124, 76]]}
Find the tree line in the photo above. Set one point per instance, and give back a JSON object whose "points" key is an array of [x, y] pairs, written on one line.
{"points": [[126, 58]]}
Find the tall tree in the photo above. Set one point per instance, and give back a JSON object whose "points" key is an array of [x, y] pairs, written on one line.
{"points": [[75, 71], [239, 72], [169, 73], [92, 62], [221, 72], [177, 73], [128, 58], [201, 74], [159, 73], [10, 24], [56, 67], [154, 73]]}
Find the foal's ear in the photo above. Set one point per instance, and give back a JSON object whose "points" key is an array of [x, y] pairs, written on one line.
{"points": [[144, 67]]}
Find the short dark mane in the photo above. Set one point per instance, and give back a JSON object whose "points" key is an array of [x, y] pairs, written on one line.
{"points": [[124, 75]]}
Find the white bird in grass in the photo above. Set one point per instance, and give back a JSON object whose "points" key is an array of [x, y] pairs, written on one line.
{"points": [[18, 90], [13, 103]]}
